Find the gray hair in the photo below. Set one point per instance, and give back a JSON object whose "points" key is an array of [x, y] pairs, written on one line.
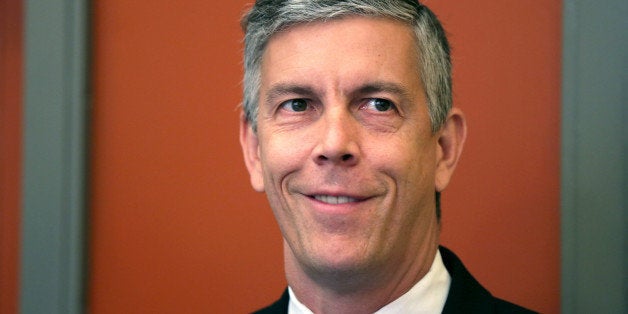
{"points": [[268, 17]]}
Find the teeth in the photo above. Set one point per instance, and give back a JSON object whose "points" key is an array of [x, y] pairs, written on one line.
{"points": [[334, 199]]}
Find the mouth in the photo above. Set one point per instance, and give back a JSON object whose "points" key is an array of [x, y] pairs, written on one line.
{"points": [[334, 200]]}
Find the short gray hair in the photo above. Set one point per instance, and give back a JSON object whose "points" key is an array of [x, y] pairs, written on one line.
{"points": [[268, 17]]}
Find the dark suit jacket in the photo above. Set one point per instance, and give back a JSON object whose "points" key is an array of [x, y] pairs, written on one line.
{"points": [[466, 295]]}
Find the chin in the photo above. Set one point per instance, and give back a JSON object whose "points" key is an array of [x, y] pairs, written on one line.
{"points": [[338, 260]]}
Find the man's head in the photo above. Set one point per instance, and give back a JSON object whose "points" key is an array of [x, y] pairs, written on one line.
{"points": [[348, 130], [269, 17]]}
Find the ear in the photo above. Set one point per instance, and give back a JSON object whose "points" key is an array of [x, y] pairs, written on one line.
{"points": [[250, 150], [450, 142]]}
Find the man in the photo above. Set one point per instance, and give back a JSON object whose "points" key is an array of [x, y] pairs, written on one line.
{"points": [[349, 129]]}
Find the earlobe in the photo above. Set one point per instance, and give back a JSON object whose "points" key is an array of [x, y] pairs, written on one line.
{"points": [[450, 143], [250, 149]]}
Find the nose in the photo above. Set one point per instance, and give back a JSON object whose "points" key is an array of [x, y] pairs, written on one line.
{"points": [[338, 139]]}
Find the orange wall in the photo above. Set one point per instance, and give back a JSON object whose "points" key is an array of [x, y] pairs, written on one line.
{"points": [[502, 210], [175, 226], [10, 150]]}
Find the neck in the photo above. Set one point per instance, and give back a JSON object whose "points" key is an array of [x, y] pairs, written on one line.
{"points": [[366, 292]]}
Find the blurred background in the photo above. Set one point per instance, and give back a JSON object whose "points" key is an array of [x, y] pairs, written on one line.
{"points": [[123, 189]]}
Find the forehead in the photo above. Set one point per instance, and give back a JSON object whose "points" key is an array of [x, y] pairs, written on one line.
{"points": [[344, 47]]}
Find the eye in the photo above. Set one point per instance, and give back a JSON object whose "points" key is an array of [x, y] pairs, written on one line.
{"points": [[379, 104], [294, 105]]}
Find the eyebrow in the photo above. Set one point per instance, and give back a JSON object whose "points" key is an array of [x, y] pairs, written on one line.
{"points": [[385, 87], [283, 89], [279, 90]]}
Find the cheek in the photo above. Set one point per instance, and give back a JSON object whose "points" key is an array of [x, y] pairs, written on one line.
{"points": [[410, 163], [281, 155]]}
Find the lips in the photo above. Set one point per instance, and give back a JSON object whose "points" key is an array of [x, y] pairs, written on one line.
{"points": [[334, 200]]}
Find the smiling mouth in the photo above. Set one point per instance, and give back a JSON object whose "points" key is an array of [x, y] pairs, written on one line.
{"points": [[334, 200]]}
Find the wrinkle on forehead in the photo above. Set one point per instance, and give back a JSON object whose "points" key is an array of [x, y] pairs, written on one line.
{"points": [[373, 61]]}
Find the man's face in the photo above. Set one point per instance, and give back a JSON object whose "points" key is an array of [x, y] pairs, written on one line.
{"points": [[344, 149]]}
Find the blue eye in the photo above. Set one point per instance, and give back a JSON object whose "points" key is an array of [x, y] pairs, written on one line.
{"points": [[379, 104], [296, 105]]}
